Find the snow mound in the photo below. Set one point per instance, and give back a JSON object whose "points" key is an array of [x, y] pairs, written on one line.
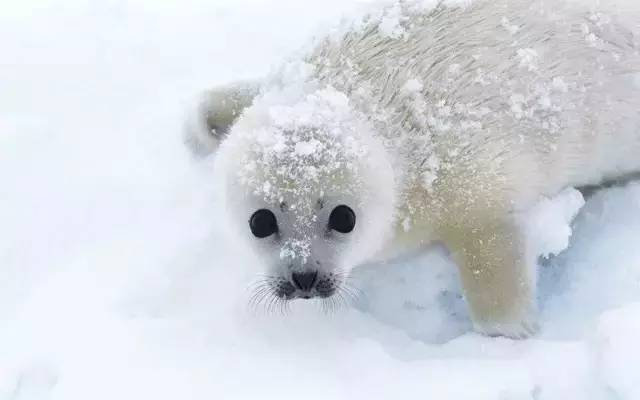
{"points": [[616, 352]]}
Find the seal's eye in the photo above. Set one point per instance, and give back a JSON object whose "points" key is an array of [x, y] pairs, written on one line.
{"points": [[263, 223], [342, 219]]}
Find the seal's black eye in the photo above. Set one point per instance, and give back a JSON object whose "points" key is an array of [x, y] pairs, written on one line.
{"points": [[342, 219], [263, 223]]}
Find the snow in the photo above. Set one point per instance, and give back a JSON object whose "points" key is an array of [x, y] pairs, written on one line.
{"points": [[615, 350], [117, 280], [549, 222], [390, 23]]}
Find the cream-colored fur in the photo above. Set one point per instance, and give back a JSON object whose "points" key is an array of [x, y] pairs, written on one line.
{"points": [[216, 111], [482, 109]]}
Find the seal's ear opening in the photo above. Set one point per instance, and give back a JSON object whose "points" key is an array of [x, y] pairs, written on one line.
{"points": [[214, 114]]}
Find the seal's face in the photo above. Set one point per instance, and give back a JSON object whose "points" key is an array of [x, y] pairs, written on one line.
{"points": [[313, 196], [304, 250]]}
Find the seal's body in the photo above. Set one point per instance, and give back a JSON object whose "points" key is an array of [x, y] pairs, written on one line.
{"points": [[437, 124]]}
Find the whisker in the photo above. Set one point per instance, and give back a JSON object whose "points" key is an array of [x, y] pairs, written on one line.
{"points": [[273, 303], [258, 297], [284, 307], [262, 294], [342, 299], [264, 280], [327, 305], [353, 292]]}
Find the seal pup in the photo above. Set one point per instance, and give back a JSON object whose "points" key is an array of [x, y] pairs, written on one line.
{"points": [[427, 123]]}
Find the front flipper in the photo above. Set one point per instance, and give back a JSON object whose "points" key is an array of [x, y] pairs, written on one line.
{"points": [[497, 278], [215, 114]]}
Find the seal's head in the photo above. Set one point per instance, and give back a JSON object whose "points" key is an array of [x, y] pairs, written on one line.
{"points": [[310, 189]]}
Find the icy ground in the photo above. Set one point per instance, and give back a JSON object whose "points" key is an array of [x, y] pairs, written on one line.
{"points": [[117, 282]]}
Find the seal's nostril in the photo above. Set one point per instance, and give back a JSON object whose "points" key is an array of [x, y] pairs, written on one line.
{"points": [[304, 280]]}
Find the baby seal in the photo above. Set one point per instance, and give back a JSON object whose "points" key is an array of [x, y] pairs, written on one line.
{"points": [[420, 124]]}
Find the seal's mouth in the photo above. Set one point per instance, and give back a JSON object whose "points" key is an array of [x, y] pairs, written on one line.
{"points": [[333, 289], [307, 285]]}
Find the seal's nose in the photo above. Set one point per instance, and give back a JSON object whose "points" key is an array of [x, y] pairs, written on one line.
{"points": [[304, 280]]}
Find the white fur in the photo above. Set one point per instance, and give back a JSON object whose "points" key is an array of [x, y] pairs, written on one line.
{"points": [[469, 114]]}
